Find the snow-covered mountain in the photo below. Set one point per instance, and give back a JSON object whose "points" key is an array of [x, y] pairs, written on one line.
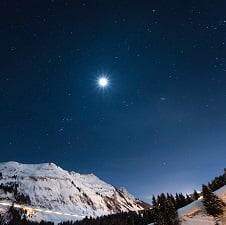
{"points": [[69, 195], [195, 214]]}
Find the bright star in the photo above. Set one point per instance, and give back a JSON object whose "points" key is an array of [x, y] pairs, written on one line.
{"points": [[103, 82]]}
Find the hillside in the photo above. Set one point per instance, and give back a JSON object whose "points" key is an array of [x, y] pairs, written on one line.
{"points": [[195, 214]]}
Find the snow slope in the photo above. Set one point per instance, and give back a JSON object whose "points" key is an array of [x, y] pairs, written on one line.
{"points": [[195, 214], [50, 187]]}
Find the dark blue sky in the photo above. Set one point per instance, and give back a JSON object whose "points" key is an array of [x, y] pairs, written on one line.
{"points": [[160, 125]]}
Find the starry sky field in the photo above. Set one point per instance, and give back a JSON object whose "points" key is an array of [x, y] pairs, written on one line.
{"points": [[160, 123]]}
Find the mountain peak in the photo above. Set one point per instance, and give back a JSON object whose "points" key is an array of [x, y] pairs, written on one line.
{"points": [[48, 186]]}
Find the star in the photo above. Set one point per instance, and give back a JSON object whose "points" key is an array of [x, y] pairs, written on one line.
{"points": [[103, 82], [162, 98]]}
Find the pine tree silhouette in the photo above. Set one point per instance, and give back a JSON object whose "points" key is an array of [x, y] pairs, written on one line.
{"points": [[213, 204]]}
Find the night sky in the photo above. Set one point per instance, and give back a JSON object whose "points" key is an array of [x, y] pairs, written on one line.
{"points": [[160, 124]]}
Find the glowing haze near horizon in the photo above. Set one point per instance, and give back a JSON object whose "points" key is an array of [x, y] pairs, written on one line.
{"points": [[160, 124]]}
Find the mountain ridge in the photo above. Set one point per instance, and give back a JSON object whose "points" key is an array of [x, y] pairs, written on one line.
{"points": [[48, 186]]}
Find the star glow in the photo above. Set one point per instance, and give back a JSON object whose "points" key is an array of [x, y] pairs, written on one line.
{"points": [[103, 82]]}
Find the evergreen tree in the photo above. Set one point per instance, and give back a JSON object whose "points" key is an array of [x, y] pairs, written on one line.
{"points": [[213, 204], [171, 198], [188, 199], [195, 195], [164, 211], [180, 200], [224, 176], [154, 202]]}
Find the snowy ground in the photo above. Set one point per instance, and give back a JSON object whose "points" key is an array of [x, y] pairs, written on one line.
{"points": [[195, 214], [198, 220]]}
